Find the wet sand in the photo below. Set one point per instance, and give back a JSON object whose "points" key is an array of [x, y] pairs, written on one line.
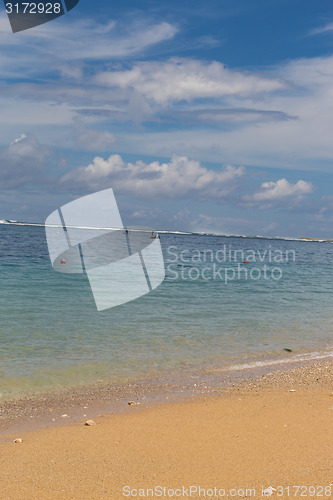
{"points": [[276, 430]]}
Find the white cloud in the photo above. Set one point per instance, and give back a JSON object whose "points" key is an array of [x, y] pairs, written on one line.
{"points": [[101, 41], [298, 135], [278, 117], [18, 139], [70, 46], [280, 190], [179, 178], [23, 163], [92, 140], [323, 29], [112, 40], [186, 79]]}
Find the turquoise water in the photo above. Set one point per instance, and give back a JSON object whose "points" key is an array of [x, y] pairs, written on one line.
{"points": [[51, 334]]}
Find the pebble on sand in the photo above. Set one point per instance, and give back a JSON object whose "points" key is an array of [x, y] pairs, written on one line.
{"points": [[89, 423], [131, 403], [18, 440]]}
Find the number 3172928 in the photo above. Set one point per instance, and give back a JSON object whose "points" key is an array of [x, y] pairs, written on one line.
{"points": [[33, 8]]}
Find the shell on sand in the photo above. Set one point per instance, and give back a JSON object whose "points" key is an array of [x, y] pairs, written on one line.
{"points": [[90, 422]]}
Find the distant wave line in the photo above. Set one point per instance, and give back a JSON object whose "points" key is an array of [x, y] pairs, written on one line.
{"points": [[164, 231]]}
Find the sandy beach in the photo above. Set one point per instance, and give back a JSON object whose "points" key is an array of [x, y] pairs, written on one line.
{"points": [[269, 435]]}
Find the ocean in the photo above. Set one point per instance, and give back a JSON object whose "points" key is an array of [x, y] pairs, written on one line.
{"points": [[214, 311]]}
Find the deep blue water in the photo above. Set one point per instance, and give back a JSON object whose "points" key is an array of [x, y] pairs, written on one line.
{"points": [[51, 334]]}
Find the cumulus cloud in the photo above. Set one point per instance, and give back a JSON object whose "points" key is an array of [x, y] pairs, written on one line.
{"points": [[186, 79], [280, 190], [179, 178]]}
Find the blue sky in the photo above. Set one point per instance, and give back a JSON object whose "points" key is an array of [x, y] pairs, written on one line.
{"points": [[212, 117]]}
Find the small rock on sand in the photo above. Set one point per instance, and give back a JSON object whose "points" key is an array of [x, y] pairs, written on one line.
{"points": [[89, 423], [18, 440]]}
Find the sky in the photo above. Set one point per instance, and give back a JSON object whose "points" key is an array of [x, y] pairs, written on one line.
{"points": [[213, 117]]}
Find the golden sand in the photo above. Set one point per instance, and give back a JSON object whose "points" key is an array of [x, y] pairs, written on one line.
{"points": [[275, 432]]}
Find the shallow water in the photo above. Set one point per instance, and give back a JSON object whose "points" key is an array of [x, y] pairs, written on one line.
{"points": [[202, 315]]}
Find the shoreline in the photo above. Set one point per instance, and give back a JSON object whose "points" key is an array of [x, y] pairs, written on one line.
{"points": [[273, 431], [67, 406]]}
